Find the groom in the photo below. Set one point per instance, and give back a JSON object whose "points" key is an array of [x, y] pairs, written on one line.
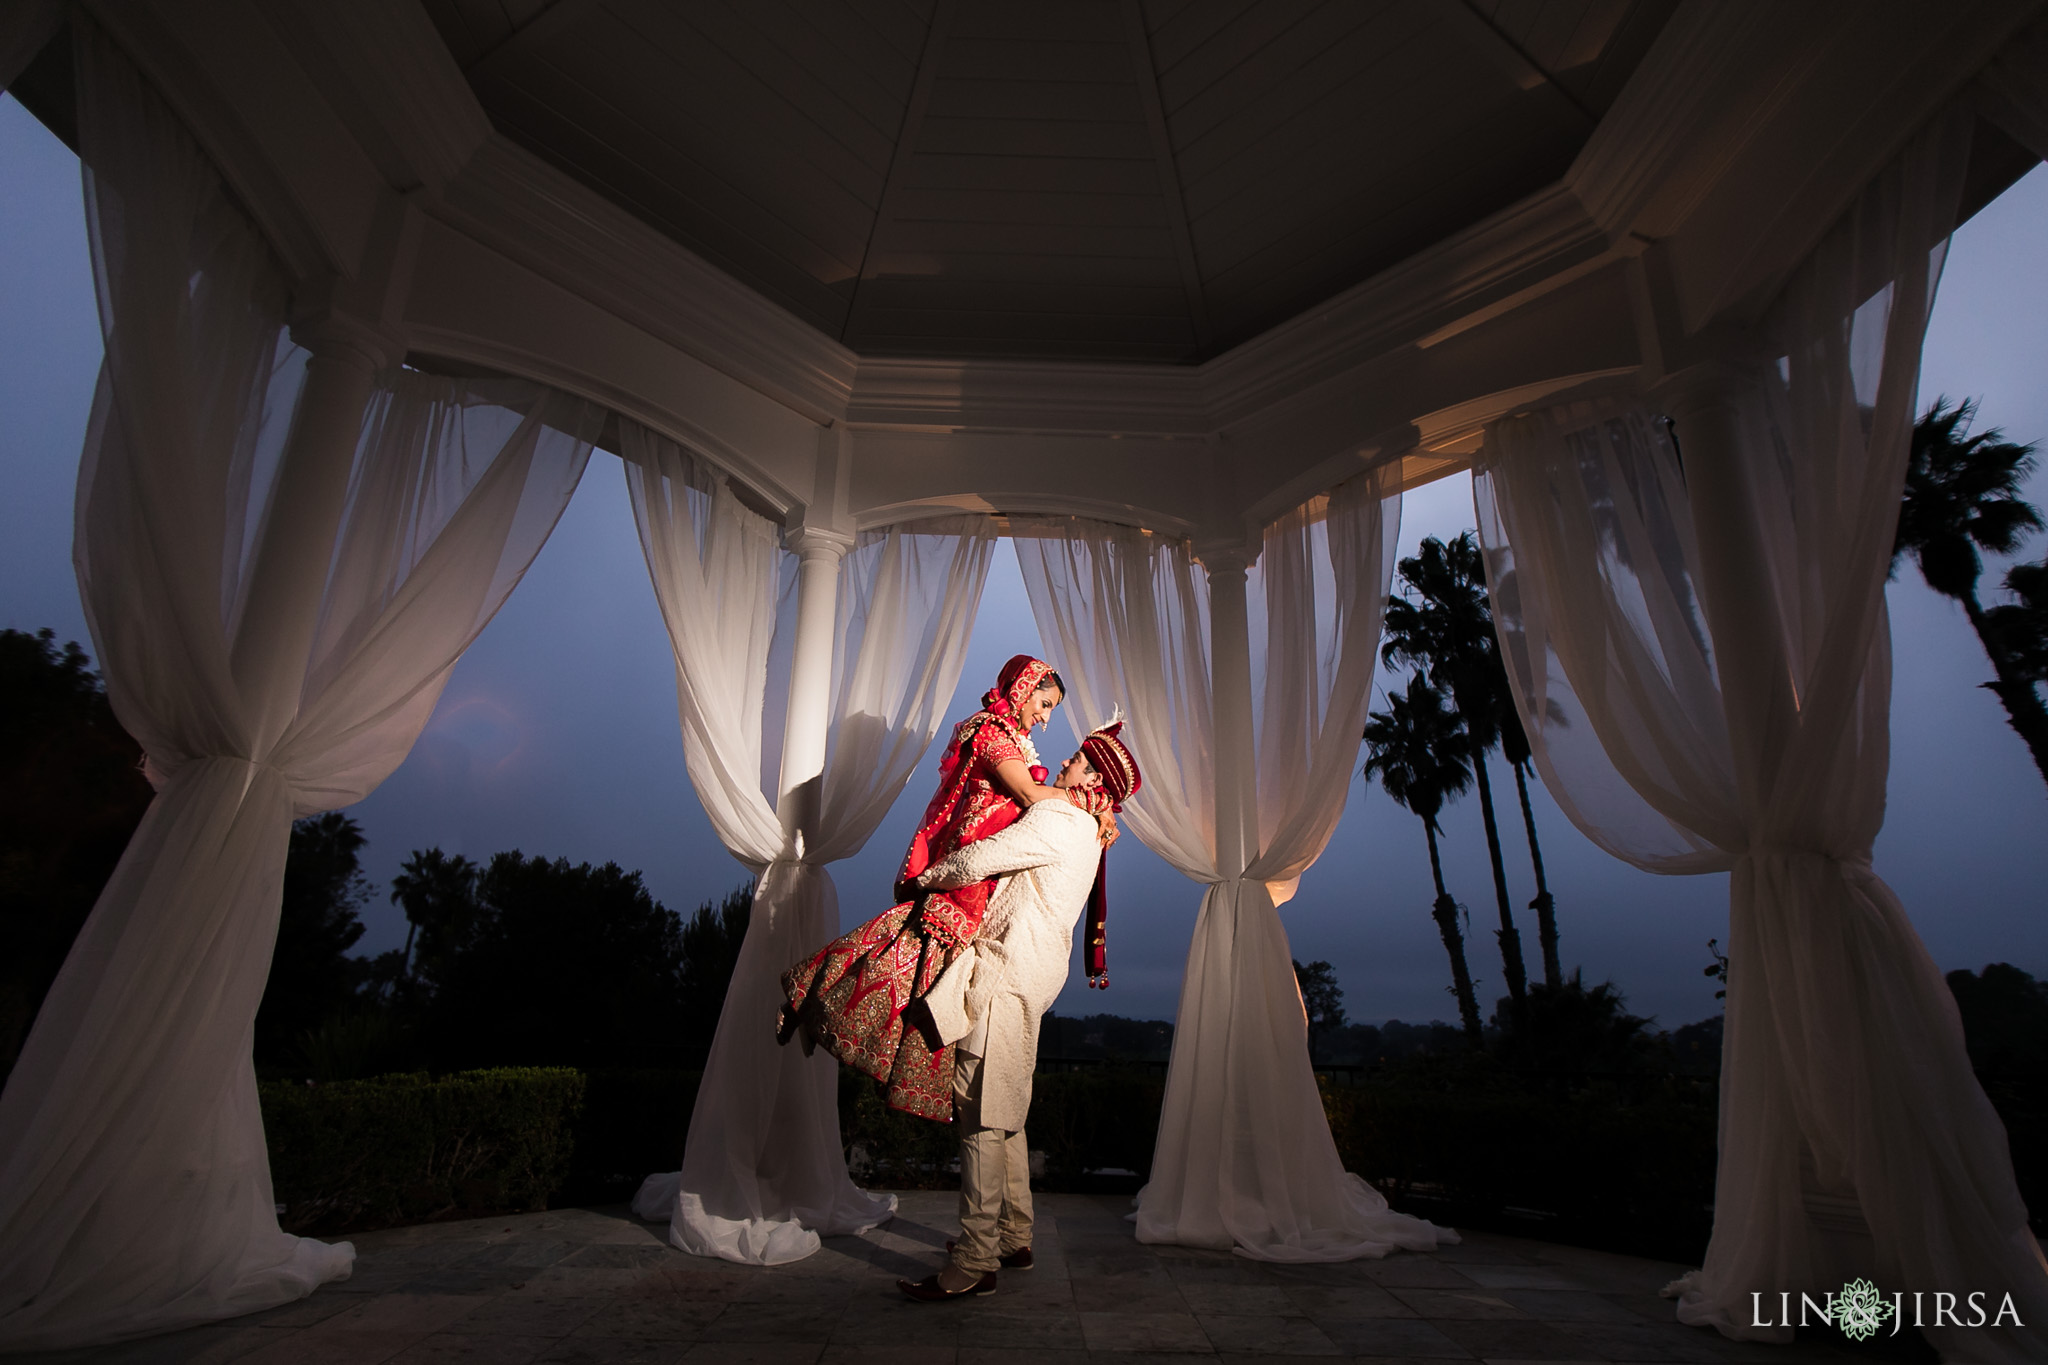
{"points": [[990, 999]]}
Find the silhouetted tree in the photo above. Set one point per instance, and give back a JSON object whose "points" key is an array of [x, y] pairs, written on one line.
{"points": [[1962, 498], [1418, 751], [1322, 1000], [71, 793], [2005, 1020], [1445, 628], [1514, 747], [711, 949], [2020, 627], [1718, 968], [2005, 1026], [312, 976], [437, 892], [564, 966], [1562, 1036], [1696, 1048], [1504, 606]]}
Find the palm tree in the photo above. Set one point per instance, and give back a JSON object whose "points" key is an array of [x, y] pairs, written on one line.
{"points": [[1447, 631], [1963, 498], [1514, 747], [438, 893], [2021, 627], [1417, 750]]}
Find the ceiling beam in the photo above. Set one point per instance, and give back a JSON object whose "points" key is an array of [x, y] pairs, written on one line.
{"points": [[542, 28], [1514, 60], [906, 148], [1169, 175]]}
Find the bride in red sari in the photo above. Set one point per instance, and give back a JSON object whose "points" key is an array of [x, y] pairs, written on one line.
{"points": [[853, 996]]}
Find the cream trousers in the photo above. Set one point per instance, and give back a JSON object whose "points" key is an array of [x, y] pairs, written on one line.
{"points": [[995, 1179]]}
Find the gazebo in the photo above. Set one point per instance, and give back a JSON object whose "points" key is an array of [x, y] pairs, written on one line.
{"points": [[1178, 295]]}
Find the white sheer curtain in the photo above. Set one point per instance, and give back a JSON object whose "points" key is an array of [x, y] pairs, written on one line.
{"points": [[764, 1174], [1244, 1155], [1698, 642], [274, 636]]}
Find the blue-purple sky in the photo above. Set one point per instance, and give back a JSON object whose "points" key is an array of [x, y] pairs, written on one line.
{"points": [[558, 735]]}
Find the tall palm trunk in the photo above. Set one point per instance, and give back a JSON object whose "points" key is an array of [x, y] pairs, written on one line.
{"points": [[2023, 708], [1445, 913], [1546, 911], [1510, 938]]}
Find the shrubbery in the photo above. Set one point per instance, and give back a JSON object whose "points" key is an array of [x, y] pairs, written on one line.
{"points": [[890, 1150], [1622, 1160], [1632, 1172], [1085, 1122], [354, 1155], [1090, 1121], [633, 1125], [1462, 1141]]}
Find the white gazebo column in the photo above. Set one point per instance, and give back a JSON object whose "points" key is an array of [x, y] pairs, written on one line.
{"points": [[97, 1142], [1200, 1165], [763, 1169], [1705, 402], [1230, 683], [1765, 1167], [290, 566], [819, 552], [1854, 1140], [1244, 1158]]}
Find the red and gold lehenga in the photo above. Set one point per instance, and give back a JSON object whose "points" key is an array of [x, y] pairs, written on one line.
{"points": [[853, 996]]}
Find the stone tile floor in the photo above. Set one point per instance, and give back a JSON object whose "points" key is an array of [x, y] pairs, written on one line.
{"points": [[597, 1287]]}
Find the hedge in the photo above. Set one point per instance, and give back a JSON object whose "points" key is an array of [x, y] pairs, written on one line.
{"points": [[1629, 1168], [633, 1125], [356, 1155], [1084, 1122], [1087, 1122], [2022, 1104], [1625, 1172]]}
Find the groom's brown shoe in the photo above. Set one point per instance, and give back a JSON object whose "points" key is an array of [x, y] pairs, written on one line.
{"points": [[1020, 1259], [929, 1290]]}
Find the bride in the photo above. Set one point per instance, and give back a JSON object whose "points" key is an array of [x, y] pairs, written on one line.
{"points": [[851, 997]]}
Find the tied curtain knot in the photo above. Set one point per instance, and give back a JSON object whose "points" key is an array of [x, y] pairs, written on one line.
{"points": [[182, 771], [784, 880], [1796, 853]]}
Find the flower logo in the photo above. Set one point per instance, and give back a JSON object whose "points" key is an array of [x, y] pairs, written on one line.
{"points": [[1860, 1310]]}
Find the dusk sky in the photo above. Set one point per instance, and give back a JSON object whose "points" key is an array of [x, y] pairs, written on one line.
{"points": [[558, 733]]}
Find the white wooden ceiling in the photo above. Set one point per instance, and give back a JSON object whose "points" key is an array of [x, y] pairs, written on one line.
{"points": [[1150, 180]]}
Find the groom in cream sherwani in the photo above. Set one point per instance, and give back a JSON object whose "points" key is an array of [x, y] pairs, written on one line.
{"points": [[990, 1000]]}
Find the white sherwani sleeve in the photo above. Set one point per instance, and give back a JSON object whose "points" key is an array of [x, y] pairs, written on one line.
{"points": [[1030, 842], [1018, 964]]}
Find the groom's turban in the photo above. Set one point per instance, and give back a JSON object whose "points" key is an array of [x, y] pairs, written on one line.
{"points": [[1108, 756]]}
